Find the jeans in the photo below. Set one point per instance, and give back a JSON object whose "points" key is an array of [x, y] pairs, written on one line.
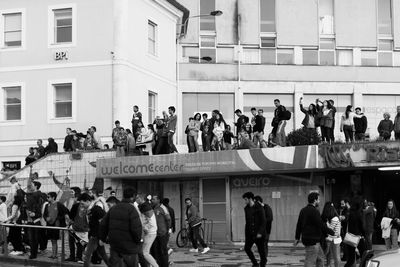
{"points": [[280, 134], [72, 245], [147, 242], [206, 141], [359, 136], [351, 256], [15, 237], [391, 243], [120, 151], [193, 143], [91, 247], [159, 250], [123, 260], [43, 239], [368, 241], [258, 138], [397, 136], [216, 145], [172, 147], [266, 245], [326, 134], [195, 237], [333, 252], [348, 133], [314, 256], [33, 234], [260, 243]]}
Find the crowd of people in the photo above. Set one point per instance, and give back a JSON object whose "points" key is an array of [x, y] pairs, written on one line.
{"points": [[137, 228], [158, 136], [326, 236]]}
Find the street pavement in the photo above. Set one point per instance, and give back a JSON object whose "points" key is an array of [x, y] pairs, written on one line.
{"points": [[218, 256]]}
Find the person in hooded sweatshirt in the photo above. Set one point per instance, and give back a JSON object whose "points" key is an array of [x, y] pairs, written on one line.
{"points": [[51, 147], [360, 125]]}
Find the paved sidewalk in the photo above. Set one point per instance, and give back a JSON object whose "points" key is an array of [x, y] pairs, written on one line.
{"points": [[219, 256]]}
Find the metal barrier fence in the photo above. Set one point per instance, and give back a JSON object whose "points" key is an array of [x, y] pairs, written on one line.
{"points": [[62, 229]]}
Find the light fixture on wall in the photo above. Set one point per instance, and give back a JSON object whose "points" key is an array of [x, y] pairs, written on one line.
{"points": [[391, 168]]}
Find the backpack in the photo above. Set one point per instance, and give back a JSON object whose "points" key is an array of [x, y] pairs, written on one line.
{"points": [[286, 115]]}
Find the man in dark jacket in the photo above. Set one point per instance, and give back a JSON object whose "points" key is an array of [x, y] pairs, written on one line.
{"points": [[279, 123], [171, 127], [258, 128], [312, 230], [194, 221], [269, 218], [68, 140], [360, 125], [255, 229], [123, 228], [241, 121], [159, 250]]}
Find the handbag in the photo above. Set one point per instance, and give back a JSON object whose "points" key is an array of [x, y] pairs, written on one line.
{"points": [[350, 239]]}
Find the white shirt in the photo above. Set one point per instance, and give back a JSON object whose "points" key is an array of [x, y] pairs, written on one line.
{"points": [[150, 225], [3, 212]]}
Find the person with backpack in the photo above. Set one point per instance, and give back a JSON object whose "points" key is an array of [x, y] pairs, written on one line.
{"points": [[54, 214], [281, 115]]}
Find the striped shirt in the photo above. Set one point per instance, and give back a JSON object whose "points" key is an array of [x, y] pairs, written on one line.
{"points": [[335, 226]]}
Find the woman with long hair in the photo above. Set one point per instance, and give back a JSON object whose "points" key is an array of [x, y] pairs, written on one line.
{"points": [[331, 218], [392, 213], [218, 131], [326, 123], [14, 235], [310, 116], [194, 128], [355, 226], [347, 124]]}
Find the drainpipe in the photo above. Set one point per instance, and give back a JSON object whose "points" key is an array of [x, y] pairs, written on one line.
{"points": [[239, 100]]}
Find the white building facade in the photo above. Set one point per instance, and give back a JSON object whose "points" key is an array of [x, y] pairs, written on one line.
{"points": [[344, 50], [81, 63]]}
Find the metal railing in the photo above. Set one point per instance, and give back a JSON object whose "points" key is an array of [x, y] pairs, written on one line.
{"points": [[3, 227]]}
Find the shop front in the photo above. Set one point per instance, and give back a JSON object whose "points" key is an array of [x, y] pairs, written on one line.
{"points": [[216, 182]]}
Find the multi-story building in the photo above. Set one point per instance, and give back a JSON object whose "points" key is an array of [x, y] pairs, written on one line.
{"points": [[344, 50], [81, 63]]}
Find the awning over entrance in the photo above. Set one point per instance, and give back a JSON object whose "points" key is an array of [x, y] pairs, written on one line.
{"points": [[210, 163]]}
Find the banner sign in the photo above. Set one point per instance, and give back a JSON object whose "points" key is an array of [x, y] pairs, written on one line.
{"points": [[209, 163]]}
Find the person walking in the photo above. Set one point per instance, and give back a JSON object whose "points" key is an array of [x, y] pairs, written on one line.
{"points": [[55, 214], [160, 245], [344, 211], [331, 218], [194, 221], [122, 228], [396, 126], [311, 229], [255, 229], [269, 218], [140, 199], [391, 212], [355, 227], [385, 127], [360, 125], [150, 232], [347, 124], [171, 212], [14, 234]]}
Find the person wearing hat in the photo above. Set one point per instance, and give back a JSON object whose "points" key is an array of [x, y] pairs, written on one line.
{"points": [[150, 231]]}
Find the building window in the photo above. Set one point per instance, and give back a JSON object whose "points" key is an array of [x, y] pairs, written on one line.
{"points": [[344, 57], [268, 50], [310, 57], [327, 52], [208, 49], [12, 103], [62, 100], [267, 16], [325, 10], [368, 58], [250, 56], [285, 56], [63, 25], [12, 30], [152, 38], [385, 52], [152, 106], [384, 17], [207, 23]]}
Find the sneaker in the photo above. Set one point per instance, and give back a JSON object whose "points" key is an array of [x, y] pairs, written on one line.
{"points": [[205, 250], [79, 261], [170, 251], [70, 259], [13, 253], [194, 250]]}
